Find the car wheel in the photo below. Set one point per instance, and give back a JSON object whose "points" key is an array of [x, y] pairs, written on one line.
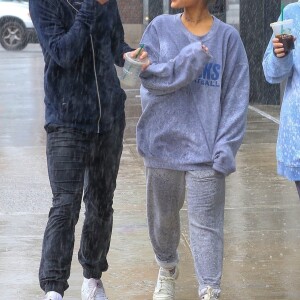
{"points": [[13, 36]]}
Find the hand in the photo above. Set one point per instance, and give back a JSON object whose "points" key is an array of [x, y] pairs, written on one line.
{"points": [[142, 56], [278, 48], [140, 53], [205, 49], [102, 1]]}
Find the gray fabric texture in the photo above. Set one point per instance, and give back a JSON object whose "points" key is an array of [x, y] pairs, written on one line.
{"points": [[204, 191], [194, 104]]}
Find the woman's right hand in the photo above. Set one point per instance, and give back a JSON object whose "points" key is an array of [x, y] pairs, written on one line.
{"points": [[278, 48]]}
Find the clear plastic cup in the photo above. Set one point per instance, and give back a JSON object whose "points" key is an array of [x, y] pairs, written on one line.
{"points": [[131, 70], [283, 30], [282, 27]]}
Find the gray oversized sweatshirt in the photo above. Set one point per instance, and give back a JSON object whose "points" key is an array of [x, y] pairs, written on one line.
{"points": [[194, 105]]}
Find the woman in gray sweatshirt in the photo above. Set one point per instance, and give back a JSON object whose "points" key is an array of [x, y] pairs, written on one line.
{"points": [[194, 106]]}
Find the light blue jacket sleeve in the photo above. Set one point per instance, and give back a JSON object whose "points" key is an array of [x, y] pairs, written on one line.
{"points": [[166, 77], [234, 105], [277, 69]]}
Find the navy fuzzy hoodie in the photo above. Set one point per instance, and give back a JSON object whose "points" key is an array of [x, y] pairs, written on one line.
{"points": [[81, 42]]}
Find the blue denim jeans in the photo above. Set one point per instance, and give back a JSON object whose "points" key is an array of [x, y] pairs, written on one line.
{"points": [[87, 164]]}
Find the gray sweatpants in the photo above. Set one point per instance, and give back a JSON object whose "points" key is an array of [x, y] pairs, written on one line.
{"points": [[166, 190]]}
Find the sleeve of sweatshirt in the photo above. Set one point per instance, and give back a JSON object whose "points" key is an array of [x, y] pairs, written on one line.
{"points": [[234, 104], [63, 46], [119, 47], [162, 78], [277, 69]]}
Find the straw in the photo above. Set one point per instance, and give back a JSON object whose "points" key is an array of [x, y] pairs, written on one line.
{"points": [[282, 7], [139, 52]]}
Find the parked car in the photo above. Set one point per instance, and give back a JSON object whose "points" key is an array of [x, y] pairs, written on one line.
{"points": [[16, 28]]}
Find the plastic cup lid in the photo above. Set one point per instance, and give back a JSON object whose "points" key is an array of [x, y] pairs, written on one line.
{"points": [[280, 23]]}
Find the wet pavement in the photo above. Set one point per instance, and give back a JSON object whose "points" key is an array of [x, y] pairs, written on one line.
{"points": [[262, 224]]}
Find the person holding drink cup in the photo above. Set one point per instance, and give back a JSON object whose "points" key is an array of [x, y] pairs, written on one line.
{"points": [[281, 64]]}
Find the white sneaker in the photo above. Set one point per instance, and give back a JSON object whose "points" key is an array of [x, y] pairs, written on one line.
{"points": [[53, 296], [165, 286], [92, 289], [209, 294]]}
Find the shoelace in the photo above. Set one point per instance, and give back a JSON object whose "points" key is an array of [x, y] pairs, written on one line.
{"points": [[93, 294], [209, 294], [166, 285]]}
